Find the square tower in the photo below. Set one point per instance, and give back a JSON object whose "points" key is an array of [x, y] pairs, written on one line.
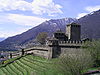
{"points": [[73, 31]]}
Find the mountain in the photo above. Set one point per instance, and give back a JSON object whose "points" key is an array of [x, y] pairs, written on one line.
{"points": [[1, 39], [48, 26], [90, 25], [90, 28]]}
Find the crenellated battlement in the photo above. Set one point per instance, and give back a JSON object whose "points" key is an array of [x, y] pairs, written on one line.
{"points": [[69, 42]]}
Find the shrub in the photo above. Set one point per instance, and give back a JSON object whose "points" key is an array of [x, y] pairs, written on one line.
{"points": [[94, 49], [75, 62]]}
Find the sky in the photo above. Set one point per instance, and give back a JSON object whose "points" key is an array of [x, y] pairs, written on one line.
{"points": [[17, 16]]}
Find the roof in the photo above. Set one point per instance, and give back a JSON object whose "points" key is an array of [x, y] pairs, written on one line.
{"points": [[59, 31], [53, 38], [73, 24]]}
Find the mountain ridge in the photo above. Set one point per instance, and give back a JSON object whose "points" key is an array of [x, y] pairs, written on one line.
{"points": [[1, 39], [90, 28], [90, 25], [48, 26]]}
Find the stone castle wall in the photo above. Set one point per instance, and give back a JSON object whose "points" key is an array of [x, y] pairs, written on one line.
{"points": [[53, 50]]}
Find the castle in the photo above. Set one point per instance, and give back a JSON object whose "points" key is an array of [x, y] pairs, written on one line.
{"points": [[59, 44], [71, 39], [73, 33]]}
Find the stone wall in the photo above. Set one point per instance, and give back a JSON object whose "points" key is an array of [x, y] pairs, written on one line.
{"points": [[53, 50], [36, 51], [62, 47]]}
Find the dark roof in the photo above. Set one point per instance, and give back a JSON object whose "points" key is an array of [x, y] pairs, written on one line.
{"points": [[59, 31], [53, 38], [73, 24]]}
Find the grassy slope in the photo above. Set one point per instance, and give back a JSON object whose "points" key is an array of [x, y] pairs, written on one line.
{"points": [[28, 65]]}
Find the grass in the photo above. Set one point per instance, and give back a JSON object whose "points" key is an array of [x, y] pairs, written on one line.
{"points": [[31, 65], [27, 65]]}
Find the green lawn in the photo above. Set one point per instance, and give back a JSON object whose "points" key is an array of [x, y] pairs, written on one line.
{"points": [[28, 65], [31, 65]]}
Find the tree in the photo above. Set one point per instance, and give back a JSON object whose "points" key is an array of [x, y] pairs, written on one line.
{"points": [[41, 37], [94, 49], [74, 62]]}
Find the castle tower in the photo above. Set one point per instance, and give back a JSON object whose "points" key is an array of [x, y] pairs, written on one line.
{"points": [[73, 31]]}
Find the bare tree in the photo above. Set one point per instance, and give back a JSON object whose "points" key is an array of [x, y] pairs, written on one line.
{"points": [[41, 37], [94, 49], [74, 62]]}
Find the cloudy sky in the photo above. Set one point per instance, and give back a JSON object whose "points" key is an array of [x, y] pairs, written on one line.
{"points": [[17, 16]]}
